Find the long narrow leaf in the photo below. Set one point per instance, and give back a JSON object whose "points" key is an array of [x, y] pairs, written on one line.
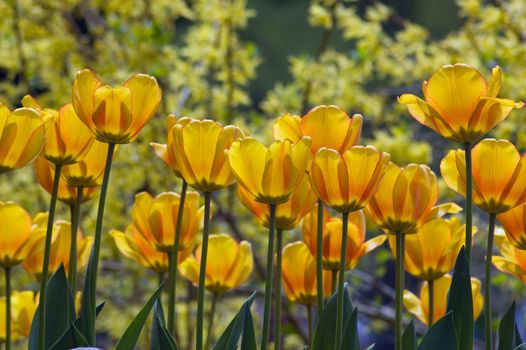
{"points": [[409, 337], [351, 340], [441, 335], [161, 339], [507, 336]]}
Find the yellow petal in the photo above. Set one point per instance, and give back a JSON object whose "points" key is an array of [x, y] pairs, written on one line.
{"points": [[84, 88], [247, 161], [14, 231], [287, 127], [112, 115]]}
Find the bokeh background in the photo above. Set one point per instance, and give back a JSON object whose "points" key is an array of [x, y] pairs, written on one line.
{"points": [[247, 62]]}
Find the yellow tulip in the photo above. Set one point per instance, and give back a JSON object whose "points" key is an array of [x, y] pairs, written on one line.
{"points": [[433, 250], [514, 223], [199, 153], [332, 238], [23, 307], [499, 175], [115, 114], [513, 260], [156, 219], [60, 246], [87, 172], [419, 306], [67, 138], [15, 230], [132, 245], [45, 173], [345, 182], [327, 126], [405, 199], [289, 213], [459, 104], [270, 174], [229, 264], [22, 136], [299, 275]]}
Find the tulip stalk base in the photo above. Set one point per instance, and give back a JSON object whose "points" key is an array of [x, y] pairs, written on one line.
{"points": [[309, 321], [469, 200], [334, 275], [431, 301], [202, 274], [400, 242], [45, 263], [341, 279], [75, 223], [319, 256], [268, 282], [487, 283], [277, 309], [7, 308], [174, 259], [211, 315]]}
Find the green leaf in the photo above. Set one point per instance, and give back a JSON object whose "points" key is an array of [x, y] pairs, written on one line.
{"points": [[241, 325], [130, 336], [60, 311], [409, 337], [325, 329], [460, 302], [521, 347], [351, 340], [441, 335], [88, 298], [72, 338], [518, 339], [161, 338], [507, 329]]}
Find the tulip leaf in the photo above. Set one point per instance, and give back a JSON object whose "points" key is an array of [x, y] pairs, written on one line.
{"points": [[351, 340], [441, 335], [72, 338], [60, 311], [161, 338], [521, 347], [131, 335], [324, 336], [460, 301], [409, 337], [241, 326], [508, 330]]}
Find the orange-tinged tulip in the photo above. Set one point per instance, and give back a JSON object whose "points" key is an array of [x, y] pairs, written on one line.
{"points": [[22, 136], [60, 246], [327, 126], [23, 307], [156, 219], [512, 260], [514, 223], [133, 245], [229, 264], [199, 152], [433, 250], [289, 213], [459, 104], [405, 199], [345, 182], [45, 172], [499, 175], [89, 171], [419, 306], [270, 174], [115, 114], [332, 238], [15, 229], [299, 275], [67, 138]]}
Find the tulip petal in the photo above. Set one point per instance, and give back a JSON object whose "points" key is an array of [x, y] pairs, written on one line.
{"points": [[329, 126], [287, 127], [83, 90]]}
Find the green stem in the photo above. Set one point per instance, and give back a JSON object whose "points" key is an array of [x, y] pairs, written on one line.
{"points": [[431, 302], [45, 263], [309, 321], [334, 274], [277, 306], [75, 223], [469, 200], [202, 275], [341, 279], [268, 282], [160, 278], [319, 257], [487, 283], [8, 308], [211, 315], [400, 241], [174, 259], [98, 237]]}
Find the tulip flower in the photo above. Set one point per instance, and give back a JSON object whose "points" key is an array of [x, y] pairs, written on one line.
{"points": [[156, 219], [512, 260], [332, 239], [24, 305], [514, 223], [327, 126], [89, 171], [419, 305], [22, 136], [134, 246], [432, 251], [299, 277], [499, 184]]}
